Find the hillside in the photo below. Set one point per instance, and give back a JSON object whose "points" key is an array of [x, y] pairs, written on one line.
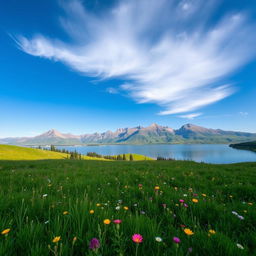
{"points": [[10, 152], [246, 146], [153, 134]]}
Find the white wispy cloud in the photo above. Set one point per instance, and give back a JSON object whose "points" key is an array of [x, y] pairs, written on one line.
{"points": [[191, 116], [162, 49]]}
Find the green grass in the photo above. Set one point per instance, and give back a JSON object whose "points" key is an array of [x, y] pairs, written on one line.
{"points": [[9, 152], [78, 186]]}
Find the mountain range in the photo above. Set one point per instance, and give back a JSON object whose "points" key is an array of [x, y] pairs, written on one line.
{"points": [[154, 133]]}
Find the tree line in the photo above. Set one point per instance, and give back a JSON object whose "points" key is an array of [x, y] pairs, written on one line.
{"points": [[77, 156]]}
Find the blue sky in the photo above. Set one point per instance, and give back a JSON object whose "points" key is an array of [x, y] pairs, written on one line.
{"points": [[85, 66]]}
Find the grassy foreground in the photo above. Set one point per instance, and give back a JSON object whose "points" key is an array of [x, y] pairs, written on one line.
{"points": [[69, 199]]}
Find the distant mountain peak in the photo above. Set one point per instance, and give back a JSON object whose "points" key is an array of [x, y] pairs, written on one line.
{"points": [[154, 133]]}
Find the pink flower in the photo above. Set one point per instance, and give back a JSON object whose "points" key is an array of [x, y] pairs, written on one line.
{"points": [[137, 238], [181, 201], [185, 205], [164, 205], [117, 221], [176, 240]]}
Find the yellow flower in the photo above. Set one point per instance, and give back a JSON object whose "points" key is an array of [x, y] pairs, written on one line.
{"points": [[126, 208], [188, 232], [107, 221], [65, 213], [56, 239], [5, 231], [194, 200], [212, 231], [176, 204], [250, 203], [204, 195], [91, 211], [98, 205], [157, 187]]}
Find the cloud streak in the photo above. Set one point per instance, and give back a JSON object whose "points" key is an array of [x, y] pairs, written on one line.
{"points": [[164, 52]]}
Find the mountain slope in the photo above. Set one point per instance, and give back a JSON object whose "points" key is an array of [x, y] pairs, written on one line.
{"points": [[154, 133]]}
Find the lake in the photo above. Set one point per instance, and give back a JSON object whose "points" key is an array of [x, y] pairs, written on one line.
{"points": [[208, 153]]}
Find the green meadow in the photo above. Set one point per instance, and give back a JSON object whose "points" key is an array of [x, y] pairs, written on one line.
{"points": [[55, 207]]}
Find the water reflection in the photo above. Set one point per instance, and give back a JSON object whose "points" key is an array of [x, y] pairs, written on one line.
{"points": [[208, 153]]}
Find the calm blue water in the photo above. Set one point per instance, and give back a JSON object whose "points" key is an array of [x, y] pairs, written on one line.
{"points": [[208, 153]]}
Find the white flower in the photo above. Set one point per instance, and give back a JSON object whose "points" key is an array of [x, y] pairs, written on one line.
{"points": [[240, 246], [240, 217], [45, 195], [235, 213], [185, 195], [46, 222], [118, 208], [158, 239]]}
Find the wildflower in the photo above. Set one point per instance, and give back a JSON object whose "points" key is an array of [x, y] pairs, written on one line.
{"points": [[65, 213], [46, 222], [118, 208], [137, 238], [107, 221], [91, 211], [126, 208], [56, 239], [94, 244], [190, 249], [194, 200], [176, 240], [212, 231], [140, 186], [185, 205], [45, 195], [250, 203], [188, 232], [142, 212], [240, 246], [158, 239], [117, 221], [157, 188], [98, 205], [5, 231], [185, 195], [164, 205], [74, 239], [204, 195], [235, 213], [240, 217], [181, 201]]}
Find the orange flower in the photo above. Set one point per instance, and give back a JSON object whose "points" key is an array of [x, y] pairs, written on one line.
{"points": [[5, 231], [194, 200], [188, 232], [107, 221], [126, 208], [56, 239]]}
